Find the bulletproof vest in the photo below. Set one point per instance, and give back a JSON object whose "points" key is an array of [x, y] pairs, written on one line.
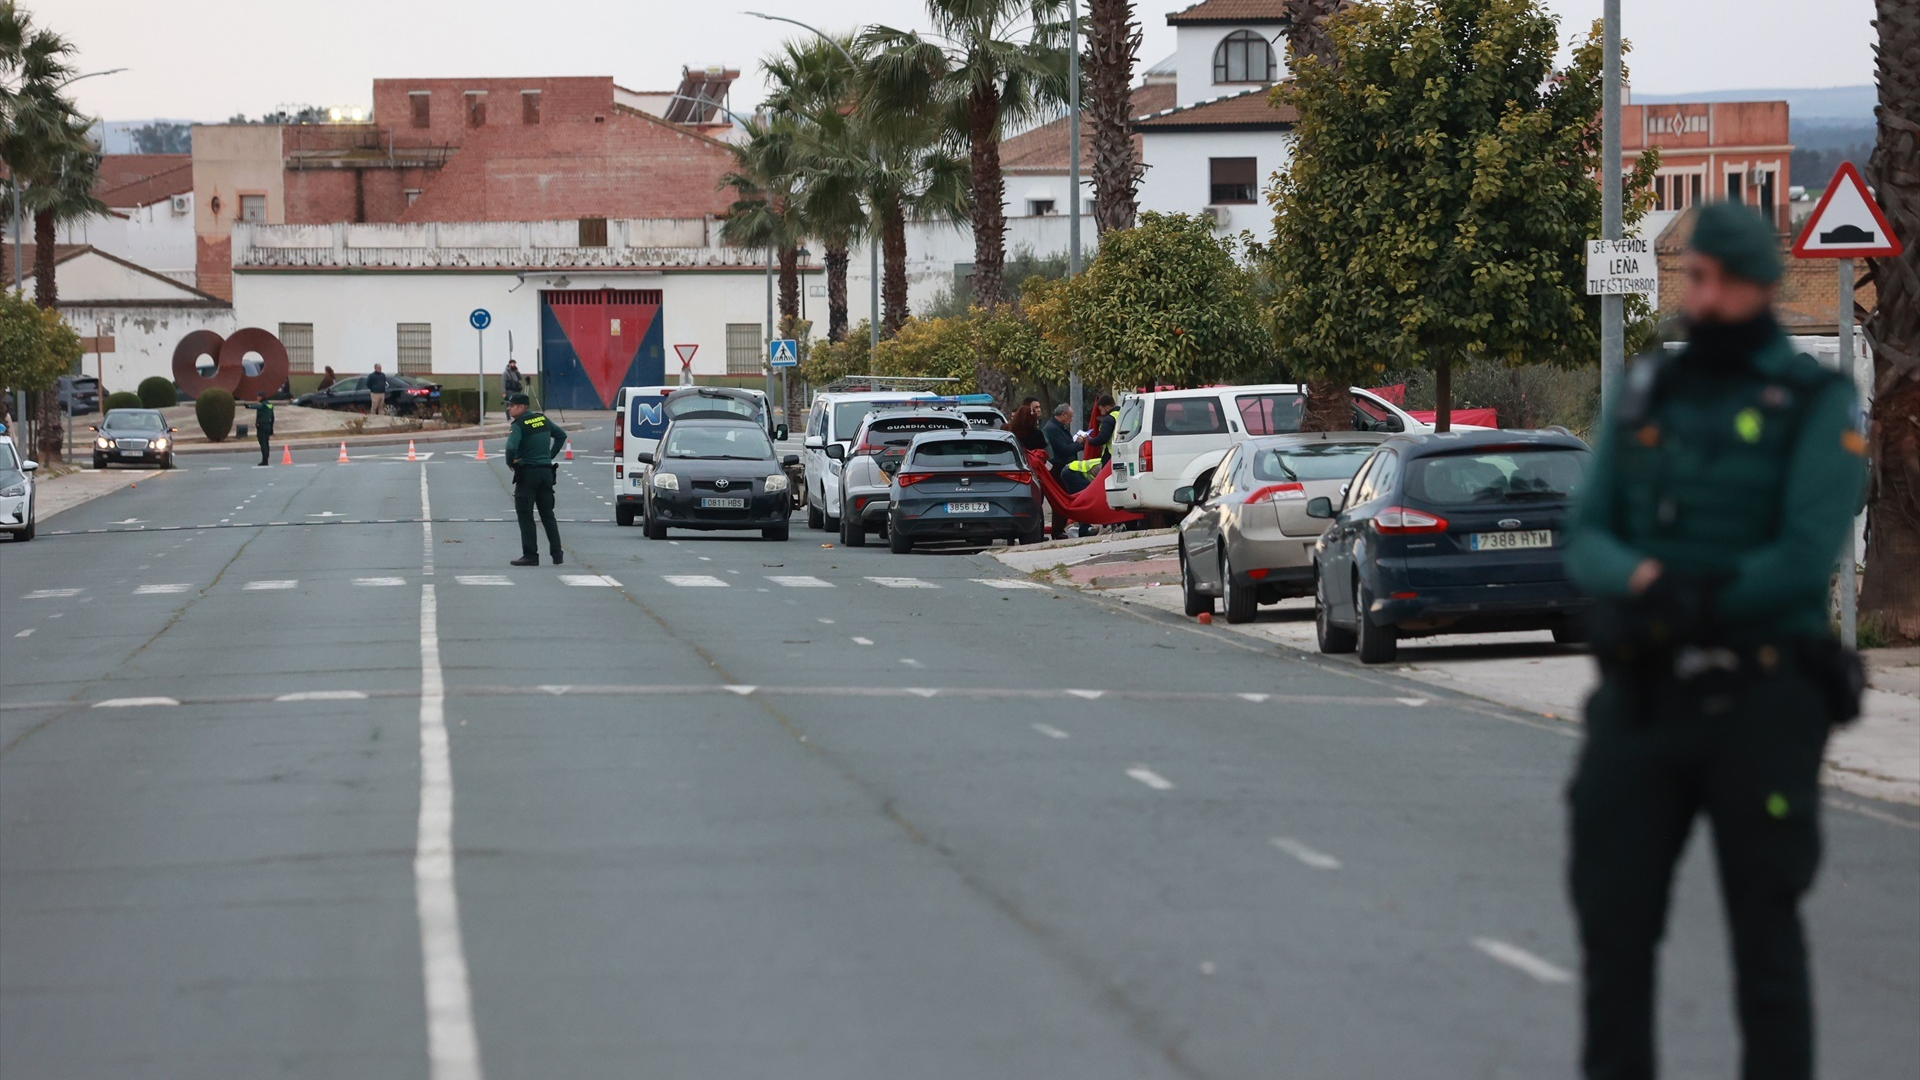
{"points": [[536, 445], [1702, 456]]}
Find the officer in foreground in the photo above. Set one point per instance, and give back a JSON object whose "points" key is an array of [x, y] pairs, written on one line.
{"points": [[532, 444], [1720, 495]]}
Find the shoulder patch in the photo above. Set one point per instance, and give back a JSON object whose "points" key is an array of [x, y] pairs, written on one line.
{"points": [[1853, 443], [1748, 424]]}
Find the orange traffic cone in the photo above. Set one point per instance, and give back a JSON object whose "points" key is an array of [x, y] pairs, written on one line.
{"points": [[569, 449], [286, 455], [410, 456], [343, 451], [481, 453]]}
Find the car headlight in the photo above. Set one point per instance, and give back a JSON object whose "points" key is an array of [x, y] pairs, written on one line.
{"points": [[159, 444], [666, 481], [17, 491], [777, 482], [102, 443]]}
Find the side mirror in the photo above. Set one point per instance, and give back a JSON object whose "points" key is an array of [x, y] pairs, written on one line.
{"points": [[780, 433], [29, 466], [93, 427], [837, 452], [814, 442], [172, 430], [1320, 507], [789, 461], [1183, 495], [644, 457]]}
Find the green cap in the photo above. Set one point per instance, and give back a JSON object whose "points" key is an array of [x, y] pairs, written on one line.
{"points": [[519, 399], [1740, 238]]}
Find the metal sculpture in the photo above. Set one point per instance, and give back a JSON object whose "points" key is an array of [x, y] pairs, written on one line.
{"points": [[229, 368]]}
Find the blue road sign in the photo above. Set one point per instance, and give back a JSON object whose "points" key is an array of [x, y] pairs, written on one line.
{"points": [[783, 352], [480, 318]]}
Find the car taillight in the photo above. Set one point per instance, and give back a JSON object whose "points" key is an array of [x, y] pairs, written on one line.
{"points": [[1273, 493], [1399, 519], [1016, 477], [619, 440], [1146, 456], [907, 479]]}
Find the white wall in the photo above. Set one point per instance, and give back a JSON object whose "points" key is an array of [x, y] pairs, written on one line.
{"points": [[152, 236], [144, 338], [92, 277], [1193, 59], [1179, 172]]}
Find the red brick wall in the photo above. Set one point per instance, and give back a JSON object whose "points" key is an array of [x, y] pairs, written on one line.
{"points": [[1809, 296], [213, 266], [320, 196], [561, 101]]}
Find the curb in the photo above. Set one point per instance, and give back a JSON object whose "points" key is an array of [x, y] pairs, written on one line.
{"points": [[248, 445]]}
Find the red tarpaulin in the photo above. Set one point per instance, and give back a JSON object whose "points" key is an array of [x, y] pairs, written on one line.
{"points": [[1488, 418]]}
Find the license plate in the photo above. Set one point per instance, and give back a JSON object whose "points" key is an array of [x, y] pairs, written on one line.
{"points": [[1509, 541], [635, 479], [967, 508], [724, 504]]}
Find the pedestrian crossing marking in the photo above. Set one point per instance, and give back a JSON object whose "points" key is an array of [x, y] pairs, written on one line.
{"points": [[264, 586], [50, 594], [1007, 583], [324, 695], [799, 581], [482, 579], [695, 581], [155, 590], [902, 583], [589, 580], [378, 582]]}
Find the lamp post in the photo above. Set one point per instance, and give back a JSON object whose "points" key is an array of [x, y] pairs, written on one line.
{"points": [[1613, 338], [1074, 389], [873, 242]]}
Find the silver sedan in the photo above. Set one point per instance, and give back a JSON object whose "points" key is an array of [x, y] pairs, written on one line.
{"points": [[1247, 538]]}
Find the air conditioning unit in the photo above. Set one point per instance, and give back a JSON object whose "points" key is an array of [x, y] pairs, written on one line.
{"points": [[182, 204], [1215, 214], [1756, 177]]}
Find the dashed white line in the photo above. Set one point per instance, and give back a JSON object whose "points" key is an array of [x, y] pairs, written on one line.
{"points": [[694, 581], [378, 582], [1319, 860], [1255, 698], [922, 691], [902, 583], [28, 632], [1150, 778], [828, 622], [1516, 957], [1090, 695], [912, 663], [1008, 583], [800, 581], [1050, 731], [743, 691], [324, 695], [482, 579], [155, 590], [863, 641], [265, 586], [133, 702]]}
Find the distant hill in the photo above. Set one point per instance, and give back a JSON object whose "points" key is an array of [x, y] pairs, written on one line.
{"points": [[1829, 104]]}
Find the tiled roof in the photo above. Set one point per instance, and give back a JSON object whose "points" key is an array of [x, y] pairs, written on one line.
{"points": [[1044, 149], [1213, 12], [143, 179], [61, 253], [1246, 110]]}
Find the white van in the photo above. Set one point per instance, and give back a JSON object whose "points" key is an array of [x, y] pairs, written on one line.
{"points": [[643, 415], [1170, 439], [835, 418]]}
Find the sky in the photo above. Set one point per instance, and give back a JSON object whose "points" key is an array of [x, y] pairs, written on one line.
{"points": [[209, 59]]}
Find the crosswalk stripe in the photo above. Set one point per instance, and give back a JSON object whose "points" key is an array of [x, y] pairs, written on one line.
{"points": [[154, 590], [902, 583], [482, 579], [50, 594], [1007, 583], [589, 580], [377, 582], [694, 581], [799, 581], [263, 586]]}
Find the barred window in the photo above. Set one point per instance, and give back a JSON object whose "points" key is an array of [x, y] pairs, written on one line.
{"points": [[413, 348], [298, 338], [1243, 57], [745, 346]]}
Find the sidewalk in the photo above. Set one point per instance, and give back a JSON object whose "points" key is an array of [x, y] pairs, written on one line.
{"points": [[1877, 756]]}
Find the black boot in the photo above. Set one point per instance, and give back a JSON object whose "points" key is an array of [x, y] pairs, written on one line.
{"points": [[559, 556], [526, 560]]}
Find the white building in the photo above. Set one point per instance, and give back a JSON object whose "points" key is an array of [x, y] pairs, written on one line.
{"points": [[149, 219]]}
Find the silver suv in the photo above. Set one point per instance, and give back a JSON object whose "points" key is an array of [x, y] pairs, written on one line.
{"points": [[868, 465]]}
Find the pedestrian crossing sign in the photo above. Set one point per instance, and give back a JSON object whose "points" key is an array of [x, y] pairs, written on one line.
{"points": [[783, 352]]}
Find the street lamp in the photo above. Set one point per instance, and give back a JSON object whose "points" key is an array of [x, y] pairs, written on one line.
{"points": [[1074, 389], [873, 241]]}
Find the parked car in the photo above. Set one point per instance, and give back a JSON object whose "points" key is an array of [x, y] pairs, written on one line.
{"points": [[1453, 533], [643, 416], [868, 465], [984, 417], [1171, 439], [716, 474], [79, 394], [137, 436], [834, 418], [964, 485], [1248, 539], [406, 396], [19, 514]]}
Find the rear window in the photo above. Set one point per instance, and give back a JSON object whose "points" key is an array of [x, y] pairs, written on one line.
{"points": [[1189, 416], [680, 406], [967, 452], [901, 432], [1323, 461], [1497, 476], [1128, 425], [848, 414]]}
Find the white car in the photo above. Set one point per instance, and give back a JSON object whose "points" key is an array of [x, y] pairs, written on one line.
{"points": [[1170, 439], [17, 511], [835, 418]]}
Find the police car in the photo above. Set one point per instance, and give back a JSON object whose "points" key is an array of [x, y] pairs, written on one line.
{"points": [[643, 415], [17, 511]]}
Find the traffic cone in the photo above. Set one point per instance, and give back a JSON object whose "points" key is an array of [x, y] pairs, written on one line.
{"points": [[343, 451], [286, 455], [569, 449], [410, 456], [480, 454]]}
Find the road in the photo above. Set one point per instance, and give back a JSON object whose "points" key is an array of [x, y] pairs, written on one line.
{"points": [[299, 778]]}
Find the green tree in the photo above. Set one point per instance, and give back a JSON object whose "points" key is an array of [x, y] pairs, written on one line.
{"points": [[1438, 209], [36, 345], [161, 137], [764, 213]]}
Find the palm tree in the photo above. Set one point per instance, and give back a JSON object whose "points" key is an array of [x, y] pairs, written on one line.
{"points": [[1329, 403], [1113, 44], [814, 84], [764, 213], [1891, 595]]}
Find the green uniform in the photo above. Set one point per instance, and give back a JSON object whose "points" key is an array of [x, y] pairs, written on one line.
{"points": [[532, 444], [1741, 476], [263, 427]]}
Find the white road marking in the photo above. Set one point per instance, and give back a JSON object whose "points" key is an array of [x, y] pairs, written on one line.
{"points": [[482, 579], [324, 695], [903, 583], [28, 632], [426, 527], [912, 663], [863, 641], [154, 590], [1255, 698], [133, 702], [706, 558], [1516, 957], [51, 594], [1008, 583], [695, 581], [921, 691], [556, 691], [263, 586], [828, 622], [589, 580], [1050, 731], [743, 691], [1319, 860], [219, 468], [1090, 695], [378, 582], [453, 1048], [1150, 778], [1412, 702]]}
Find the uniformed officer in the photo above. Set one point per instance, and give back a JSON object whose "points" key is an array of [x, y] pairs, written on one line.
{"points": [[532, 444], [1720, 494], [263, 425]]}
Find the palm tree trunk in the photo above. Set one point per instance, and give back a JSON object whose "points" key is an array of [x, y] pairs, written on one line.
{"points": [[46, 293], [789, 288], [1329, 404], [1113, 44], [1890, 596], [836, 292], [893, 254], [989, 197]]}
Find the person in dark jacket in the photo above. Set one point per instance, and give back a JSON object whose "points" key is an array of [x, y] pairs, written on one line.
{"points": [[1062, 448], [377, 388], [326, 379], [1099, 444], [533, 442], [1025, 425], [511, 381], [263, 426]]}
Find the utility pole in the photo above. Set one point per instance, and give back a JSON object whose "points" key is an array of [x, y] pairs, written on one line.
{"points": [[1074, 390], [1613, 337], [767, 350]]}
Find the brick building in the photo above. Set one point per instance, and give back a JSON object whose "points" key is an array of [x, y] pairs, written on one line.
{"points": [[1713, 150]]}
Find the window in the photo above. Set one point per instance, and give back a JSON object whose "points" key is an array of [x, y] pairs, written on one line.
{"points": [[1733, 188], [298, 338], [1189, 416], [1693, 191], [1039, 207], [476, 108], [1125, 428], [529, 106], [413, 348], [1549, 474], [253, 209], [411, 194], [1222, 481], [1243, 57], [1312, 461], [1270, 414], [422, 103], [743, 348], [593, 232], [1235, 180]]}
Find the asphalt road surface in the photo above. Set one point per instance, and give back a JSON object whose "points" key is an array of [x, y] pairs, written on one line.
{"points": [[298, 778]]}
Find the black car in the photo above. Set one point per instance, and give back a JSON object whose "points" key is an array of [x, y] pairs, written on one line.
{"points": [[79, 395], [1452, 533], [136, 436], [716, 474], [964, 485], [406, 396]]}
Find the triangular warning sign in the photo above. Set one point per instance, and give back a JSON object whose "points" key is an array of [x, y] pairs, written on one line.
{"points": [[686, 353], [1847, 223]]}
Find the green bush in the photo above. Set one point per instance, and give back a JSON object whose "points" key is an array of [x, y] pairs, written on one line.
{"points": [[460, 406], [121, 400], [214, 409], [157, 392]]}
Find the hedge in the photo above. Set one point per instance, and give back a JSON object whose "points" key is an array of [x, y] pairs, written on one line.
{"points": [[214, 409], [123, 399], [157, 392], [460, 406]]}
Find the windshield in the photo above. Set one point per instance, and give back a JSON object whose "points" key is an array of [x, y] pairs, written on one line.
{"points": [[718, 442], [1318, 461], [969, 452], [684, 405], [136, 421], [1494, 476], [8, 462]]}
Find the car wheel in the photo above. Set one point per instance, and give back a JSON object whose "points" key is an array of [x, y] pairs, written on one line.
{"points": [[1332, 639], [778, 532], [815, 519], [898, 541], [392, 408], [623, 515], [1037, 534], [99, 462], [1377, 644], [853, 533], [33, 524], [1197, 602], [655, 530], [167, 462], [1570, 632], [1242, 602]]}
